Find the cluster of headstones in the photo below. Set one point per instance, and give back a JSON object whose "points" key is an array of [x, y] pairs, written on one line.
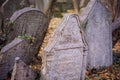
{"points": [[24, 28], [65, 55], [69, 50]]}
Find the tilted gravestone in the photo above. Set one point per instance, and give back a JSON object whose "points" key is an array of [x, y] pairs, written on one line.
{"points": [[64, 57], [10, 6], [99, 36], [17, 48], [21, 71], [30, 24]]}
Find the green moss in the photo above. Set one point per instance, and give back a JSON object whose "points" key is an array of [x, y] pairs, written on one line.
{"points": [[28, 37], [32, 6], [84, 25]]}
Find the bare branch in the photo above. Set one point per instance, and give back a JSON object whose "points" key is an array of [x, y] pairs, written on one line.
{"points": [[116, 24]]}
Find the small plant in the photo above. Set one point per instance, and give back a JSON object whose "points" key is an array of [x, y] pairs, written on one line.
{"points": [[84, 25], [9, 23], [32, 6], [28, 37], [7, 27]]}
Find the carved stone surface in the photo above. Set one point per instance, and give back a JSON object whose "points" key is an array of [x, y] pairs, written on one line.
{"points": [[99, 36], [21, 71], [64, 57], [31, 22]]}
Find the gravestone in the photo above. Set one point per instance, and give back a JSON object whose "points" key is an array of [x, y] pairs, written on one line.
{"points": [[64, 57], [10, 6], [17, 48], [99, 36], [21, 71], [31, 22]]}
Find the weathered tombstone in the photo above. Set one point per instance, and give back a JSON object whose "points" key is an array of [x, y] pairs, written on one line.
{"points": [[21, 71], [31, 22], [10, 6], [99, 36], [64, 57], [17, 48]]}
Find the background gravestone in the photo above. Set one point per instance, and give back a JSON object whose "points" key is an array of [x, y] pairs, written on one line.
{"points": [[99, 36], [21, 71], [64, 57], [10, 6]]}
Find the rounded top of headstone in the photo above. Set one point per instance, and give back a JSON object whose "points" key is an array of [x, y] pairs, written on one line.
{"points": [[17, 58], [4, 3], [22, 11]]}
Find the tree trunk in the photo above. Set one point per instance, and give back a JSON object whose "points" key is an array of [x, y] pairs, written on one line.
{"points": [[116, 24], [46, 6], [99, 36], [40, 5], [76, 5], [86, 11], [83, 3]]}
